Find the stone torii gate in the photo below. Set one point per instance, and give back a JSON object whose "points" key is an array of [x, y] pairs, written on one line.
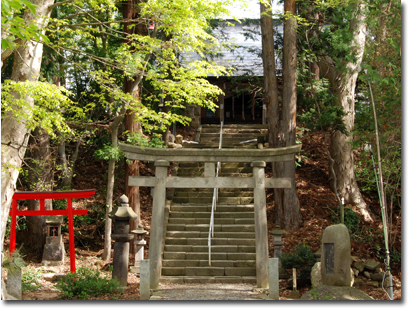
{"points": [[162, 158]]}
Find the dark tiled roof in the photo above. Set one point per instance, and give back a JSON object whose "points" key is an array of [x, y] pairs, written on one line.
{"points": [[245, 57]]}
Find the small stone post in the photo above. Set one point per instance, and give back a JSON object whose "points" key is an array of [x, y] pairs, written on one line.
{"points": [[14, 284], [121, 216], [144, 287], [158, 215], [273, 273], [260, 219]]}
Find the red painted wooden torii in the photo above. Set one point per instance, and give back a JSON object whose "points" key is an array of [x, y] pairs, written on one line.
{"points": [[52, 195]]}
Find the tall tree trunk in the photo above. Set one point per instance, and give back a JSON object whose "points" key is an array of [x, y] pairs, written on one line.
{"points": [[14, 133], [68, 165], [287, 205], [270, 77], [114, 127], [130, 12], [41, 178], [343, 83]]}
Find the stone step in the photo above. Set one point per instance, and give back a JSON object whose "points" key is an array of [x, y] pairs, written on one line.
{"points": [[239, 137], [208, 208], [206, 221], [204, 200], [235, 129], [205, 255], [222, 173], [202, 241], [209, 271], [214, 248], [237, 193], [217, 227], [201, 164], [210, 190], [205, 263], [187, 171], [215, 146], [207, 215], [200, 234], [208, 279]]}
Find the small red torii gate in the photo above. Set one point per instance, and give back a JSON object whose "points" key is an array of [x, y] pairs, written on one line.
{"points": [[52, 195]]}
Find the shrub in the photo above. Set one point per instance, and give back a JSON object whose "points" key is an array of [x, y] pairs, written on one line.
{"points": [[351, 219], [301, 258], [29, 279], [85, 283]]}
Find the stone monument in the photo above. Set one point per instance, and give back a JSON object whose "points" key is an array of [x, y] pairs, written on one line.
{"points": [[336, 256], [54, 251]]}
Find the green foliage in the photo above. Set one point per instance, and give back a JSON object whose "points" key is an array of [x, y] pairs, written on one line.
{"points": [[13, 26], [13, 262], [29, 279], [51, 103], [86, 283], [136, 138], [301, 258], [108, 152], [396, 256], [330, 119], [82, 220], [21, 224], [351, 219]]}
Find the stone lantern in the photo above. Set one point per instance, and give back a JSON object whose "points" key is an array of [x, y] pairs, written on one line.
{"points": [[140, 243], [278, 243], [121, 216], [54, 251], [278, 249]]}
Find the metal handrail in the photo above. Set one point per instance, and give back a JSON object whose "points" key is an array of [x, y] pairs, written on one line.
{"points": [[214, 201]]}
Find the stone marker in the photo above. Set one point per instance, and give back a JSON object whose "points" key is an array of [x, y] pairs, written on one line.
{"points": [[336, 256], [316, 275], [273, 274], [144, 286], [14, 283]]}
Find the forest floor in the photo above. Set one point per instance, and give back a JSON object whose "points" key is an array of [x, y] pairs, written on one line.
{"points": [[318, 207]]}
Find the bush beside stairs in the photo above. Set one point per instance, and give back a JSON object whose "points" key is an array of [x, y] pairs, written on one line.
{"points": [[233, 260]]}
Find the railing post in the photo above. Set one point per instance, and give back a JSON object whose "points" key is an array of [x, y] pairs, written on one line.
{"points": [[158, 214], [260, 220], [71, 234], [13, 225]]}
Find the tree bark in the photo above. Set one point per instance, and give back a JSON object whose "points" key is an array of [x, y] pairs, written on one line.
{"points": [[114, 127], [343, 83], [270, 77], [14, 133], [41, 178], [287, 205], [130, 12]]}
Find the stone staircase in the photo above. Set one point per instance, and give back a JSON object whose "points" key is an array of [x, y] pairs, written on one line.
{"points": [[185, 254], [233, 134]]}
